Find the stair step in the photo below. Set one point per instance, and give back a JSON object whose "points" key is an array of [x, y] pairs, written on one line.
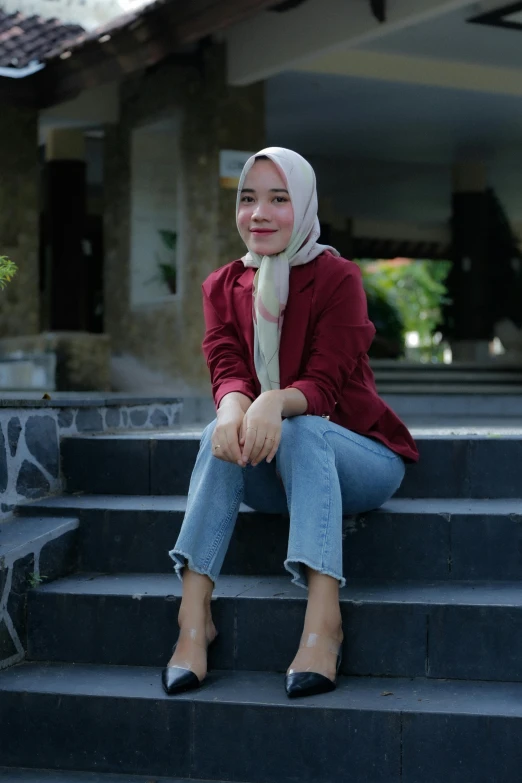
{"points": [[139, 463], [468, 631], [241, 726], [446, 539], [20, 775]]}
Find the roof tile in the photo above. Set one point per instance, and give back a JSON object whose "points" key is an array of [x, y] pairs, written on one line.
{"points": [[26, 39]]}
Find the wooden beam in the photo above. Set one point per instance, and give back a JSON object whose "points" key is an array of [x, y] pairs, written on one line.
{"points": [[141, 45], [18, 92], [65, 85], [162, 32], [218, 16], [379, 9]]}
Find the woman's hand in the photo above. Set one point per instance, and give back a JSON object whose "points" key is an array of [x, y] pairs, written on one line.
{"points": [[225, 438], [261, 428]]}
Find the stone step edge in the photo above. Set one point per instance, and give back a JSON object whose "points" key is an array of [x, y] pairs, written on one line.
{"points": [[266, 690], [27, 775], [404, 593], [428, 432], [169, 503]]}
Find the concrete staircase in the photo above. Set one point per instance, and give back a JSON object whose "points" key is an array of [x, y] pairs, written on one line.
{"points": [[431, 685]]}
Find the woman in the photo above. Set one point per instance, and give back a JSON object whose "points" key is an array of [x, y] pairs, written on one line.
{"points": [[299, 425]]}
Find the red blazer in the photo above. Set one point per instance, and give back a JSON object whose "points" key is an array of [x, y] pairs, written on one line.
{"points": [[323, 351]]}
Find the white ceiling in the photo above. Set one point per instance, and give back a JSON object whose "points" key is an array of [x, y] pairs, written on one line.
{"points": [[451, 37], [353, 117], [390, 147]]}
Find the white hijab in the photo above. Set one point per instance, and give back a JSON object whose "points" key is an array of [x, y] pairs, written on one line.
{"points": [[271, 283]]}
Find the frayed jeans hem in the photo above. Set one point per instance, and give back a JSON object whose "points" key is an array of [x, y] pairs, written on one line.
{"points": [[296, 568], [182, 560]]}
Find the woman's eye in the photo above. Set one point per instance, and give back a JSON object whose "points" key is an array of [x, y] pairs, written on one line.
{"points": [[246, 199], [281, 199]]}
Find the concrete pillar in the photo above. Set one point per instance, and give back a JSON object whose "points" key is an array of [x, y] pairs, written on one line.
{"points": [[65, 222], [468, 317], [165, 338]]}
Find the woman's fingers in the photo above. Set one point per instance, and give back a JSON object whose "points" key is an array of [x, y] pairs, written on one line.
{"points": [[233, 449], [267, 448], [249, 449], [259, 445], [225, 444], [274, 445]]}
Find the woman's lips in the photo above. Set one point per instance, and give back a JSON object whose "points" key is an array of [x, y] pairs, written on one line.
{"points": [[262, 231]]}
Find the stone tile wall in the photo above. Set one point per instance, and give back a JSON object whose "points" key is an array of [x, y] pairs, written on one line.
{"points": [[33, 549], [30, 550], [30, 442], [213, 116], [19, 219]]}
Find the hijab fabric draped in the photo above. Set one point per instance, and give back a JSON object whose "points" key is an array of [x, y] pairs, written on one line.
{"points": [[271, 282]]}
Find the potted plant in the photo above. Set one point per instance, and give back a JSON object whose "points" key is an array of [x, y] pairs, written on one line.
{"points": [[167, 271], [7, 270]]}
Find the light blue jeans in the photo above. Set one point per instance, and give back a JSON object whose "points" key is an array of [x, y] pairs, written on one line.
{"points": [[324, 470]]}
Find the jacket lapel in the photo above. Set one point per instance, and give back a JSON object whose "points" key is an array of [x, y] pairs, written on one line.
{"points": [[243, 303], [295, 324]]}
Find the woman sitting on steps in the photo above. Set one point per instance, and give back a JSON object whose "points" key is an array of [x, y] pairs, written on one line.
{"points": [[300, 427]]}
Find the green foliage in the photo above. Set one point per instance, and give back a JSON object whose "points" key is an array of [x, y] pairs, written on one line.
{"points": [[414, 289], [389, 340], [169, 239], [34, 579], [167, 271], [7, 270]]}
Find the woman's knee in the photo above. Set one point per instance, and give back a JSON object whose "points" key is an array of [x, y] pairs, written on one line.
{"points": [[300, 432], [208, 432]]}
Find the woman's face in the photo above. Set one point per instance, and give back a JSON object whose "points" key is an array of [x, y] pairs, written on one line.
{"points": [[265, 217]]}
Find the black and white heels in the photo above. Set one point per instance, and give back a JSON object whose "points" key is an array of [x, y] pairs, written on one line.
{"points": [[181, 678], [178, 679], [311, 683]]}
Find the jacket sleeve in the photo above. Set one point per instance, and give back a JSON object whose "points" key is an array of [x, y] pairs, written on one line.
{"points": [[342, 334], [224, 356]]}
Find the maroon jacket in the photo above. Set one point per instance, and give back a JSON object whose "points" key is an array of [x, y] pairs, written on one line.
{"points": [[323, 351]]}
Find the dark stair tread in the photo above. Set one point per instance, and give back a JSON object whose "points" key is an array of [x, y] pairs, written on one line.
{"points": [[265, 689], [428, 431], [15, 534], [468, 506], [144, 434], [472, 593], [24, 775]]}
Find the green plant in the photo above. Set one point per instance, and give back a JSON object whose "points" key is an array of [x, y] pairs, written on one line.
{"points": [[7, 270], [389, 338], [416, 290], [35, 579], [167, 270]]}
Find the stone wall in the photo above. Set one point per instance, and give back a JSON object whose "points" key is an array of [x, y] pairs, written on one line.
{"points": [[167, 336], [83, 360], [36, 548], [32, 550], [19, 219], [30, 441]]}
